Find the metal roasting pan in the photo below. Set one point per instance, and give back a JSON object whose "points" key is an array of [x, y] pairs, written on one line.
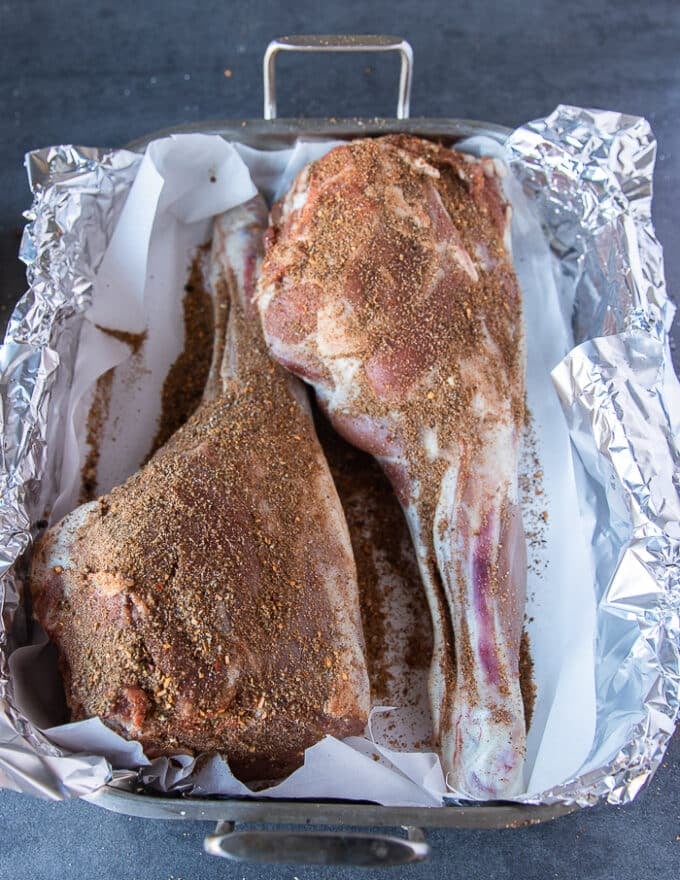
{"points": [[343, 847]]}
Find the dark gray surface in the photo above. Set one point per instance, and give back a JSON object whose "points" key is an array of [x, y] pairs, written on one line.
{"points": [[102, 73], [76, 840]]}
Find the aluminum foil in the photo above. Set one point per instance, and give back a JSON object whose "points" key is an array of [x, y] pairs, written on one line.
{"points": [[78, 195], [589, 173]]}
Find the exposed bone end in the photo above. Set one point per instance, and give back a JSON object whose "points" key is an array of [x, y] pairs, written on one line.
{"points": [[483, 756]]}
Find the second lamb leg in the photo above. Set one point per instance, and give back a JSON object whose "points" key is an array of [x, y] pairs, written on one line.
{"points": [[387, 284]]}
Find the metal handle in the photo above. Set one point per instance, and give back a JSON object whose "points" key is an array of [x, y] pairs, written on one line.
{"points": [[339, 43], [317, 847]]}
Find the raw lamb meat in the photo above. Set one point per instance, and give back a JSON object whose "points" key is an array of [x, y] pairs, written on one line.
{"points": [[387, 284], [210, 602]]}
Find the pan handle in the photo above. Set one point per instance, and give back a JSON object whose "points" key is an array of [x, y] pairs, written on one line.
{"points": [[317, 847], [339, 43]]}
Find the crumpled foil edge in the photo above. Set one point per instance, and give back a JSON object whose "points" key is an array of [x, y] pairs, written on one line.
{"points": [[61, 247], [590, 174]]}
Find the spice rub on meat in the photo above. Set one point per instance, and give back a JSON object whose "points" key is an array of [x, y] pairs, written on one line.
{"points": [[397, 626], [387, 284], [210, 602]]}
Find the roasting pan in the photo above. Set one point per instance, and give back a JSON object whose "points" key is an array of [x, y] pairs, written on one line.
{"points": [[329, 843]]}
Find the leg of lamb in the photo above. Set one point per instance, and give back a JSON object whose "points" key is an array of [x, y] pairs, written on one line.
{"points": [[210, 602], [387, 284]]}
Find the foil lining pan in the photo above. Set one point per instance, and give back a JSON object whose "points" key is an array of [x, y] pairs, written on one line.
{"points": [[589, 175]]}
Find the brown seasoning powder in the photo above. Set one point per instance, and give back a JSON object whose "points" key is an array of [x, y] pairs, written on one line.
{"points": [[184, 384], [96, 419]]}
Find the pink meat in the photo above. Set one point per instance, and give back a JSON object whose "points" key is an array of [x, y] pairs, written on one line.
{"points": [[387, 285]]}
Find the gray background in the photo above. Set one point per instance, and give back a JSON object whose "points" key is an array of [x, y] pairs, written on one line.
{"points": [[102, 73]]}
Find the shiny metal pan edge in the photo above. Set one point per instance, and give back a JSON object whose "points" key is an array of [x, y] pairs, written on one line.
{"points": [[482, 816], [280, 133]]}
